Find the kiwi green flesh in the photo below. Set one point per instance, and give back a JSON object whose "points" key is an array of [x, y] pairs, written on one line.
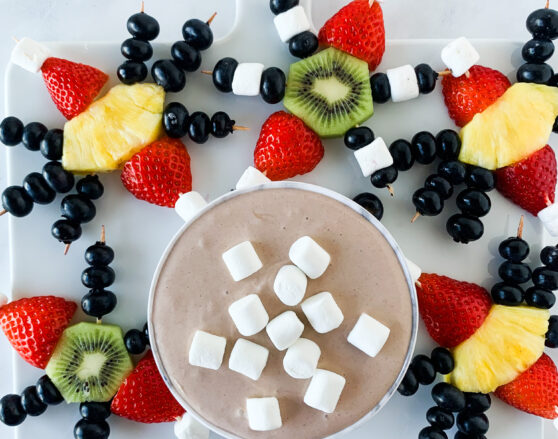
{"points": [[89, 363], [330, 92]]}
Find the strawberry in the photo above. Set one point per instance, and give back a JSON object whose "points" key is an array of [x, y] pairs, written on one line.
{"points": [[72, 86], [287, 147], [357, 29], [34, 325], [467, 96], [451, 310], [144, 396], [159, 173], [535, 391], [530, 183]]}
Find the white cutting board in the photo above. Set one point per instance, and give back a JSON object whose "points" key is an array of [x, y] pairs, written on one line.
{"points": [[139, 232]]}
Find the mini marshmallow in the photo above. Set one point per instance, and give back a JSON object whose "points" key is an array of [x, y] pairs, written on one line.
{"points": [[368, 335], [247, 79], [188, 428], [284, 330], [207, 350], [307, 255], [549, 218], [248, 358], [290, 285], [189, 204], [249, 315], [322, 312], [263, 414], [242, 260], [324, 390], [459, 56], [403, 83], [251, 177], [291, 23], [414, 270], [29, 55], [373, 157], [301, 359]]}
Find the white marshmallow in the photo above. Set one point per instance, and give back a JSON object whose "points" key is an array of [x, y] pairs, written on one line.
{"points": [[373, 157], [555, 423], [247, 79], [291, 23], [307, 255], [263, 414], [249, 315], [322, 312], [3, 300], [251, 177], [207, 350], [29, 55], [284, 330], [188, 428], [368, 335], [459, 56], [248, 358], [403, 83], [324, 390], [290, 285], [242, 260], [549, 218], [301, 359], [414, 270], [189, 204]]}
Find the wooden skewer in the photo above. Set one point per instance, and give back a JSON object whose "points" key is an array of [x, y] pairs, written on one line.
{"points": [[467, 74], [207, 72], [3, 212], [520, 227], [67, 248], [240, 128], [99, 321], [15, 39], [142, 9], [212, 18], [547, 200], [103, 234], [370, 3], [444, 73], [413, 219], [547, 4], [390, 189]]}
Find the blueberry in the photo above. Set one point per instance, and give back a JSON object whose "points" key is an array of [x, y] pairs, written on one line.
{"points": [[514, 272], [31, 402], [537, 50], [552, 334], [47, 391], [440, 418], [432, 433], [358, 137], [221, 125], [535, 73], [223, 74], [99, 255], [66, 231], [200, 127], [448, 397], [186, 56], [477, 402], [58, 178], [428, 202], [426, 78], [197, 34], [381, 90], [423, 146], [143, 26], [273, 85], [453, 171], [98, 303], [145, 332], [440, 185], [33, 133], [480, 178], [423, 369], [38, 189], [95, 411], [549, 257], [280, 6], [85, 429], [78, 208], [448, 145], [91, 187], [442, 360], [17, 201], [168, 74], [98, 277], [303, 45], [11, 410], [134, 341], [409, 386], [540, 298], [464, 228], [131, 72], [508, 295], [543, 23], [11, 131], [402, 155], [371, 203], [175, 120], [473, 202], [469, 423], [384, 177], [545, 278], [136, 49], [514, 249]]}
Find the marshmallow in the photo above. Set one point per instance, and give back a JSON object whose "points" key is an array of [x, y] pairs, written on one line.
{"points": [[307, 255], [251, 177], [188, 428], [459, 56], [403, 83], [249, 315], [248, 358], [207, 350], [324, 390], [368, 335], [189, 204], [290, 285], [301, 359], [29, 55], [549, 218], [247, 79], [414, 270], [291, 22], [242, 260], [373, 157], [322, 312], [284, 330], [263, 414]]}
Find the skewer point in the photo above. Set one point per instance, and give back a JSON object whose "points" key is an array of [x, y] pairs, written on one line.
{"points": [[240, 128], [15, 39], [212, 18], [67, 248], [3, 212], [520, 227], [415, 217], [547, 4], [446, 72], [142, 9], [370, 2], [467, 74], [390, 190], [207, 72], [103, 234]]}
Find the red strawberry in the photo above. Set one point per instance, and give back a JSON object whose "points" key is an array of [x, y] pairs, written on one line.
{"points": [[357, 29], [287, 147], [72, 86], [535, 391], [467, 96], [531, 183], [144, 396], [159, 173], [451, 310], [34, 325]]}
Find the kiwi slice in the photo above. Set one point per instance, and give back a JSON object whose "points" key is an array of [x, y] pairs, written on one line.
{"points": [[89, 363], [330, 92]]}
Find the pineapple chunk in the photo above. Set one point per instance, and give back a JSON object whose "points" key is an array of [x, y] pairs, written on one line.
{"points": [[510, 341], [516, 125], [113, 128]]}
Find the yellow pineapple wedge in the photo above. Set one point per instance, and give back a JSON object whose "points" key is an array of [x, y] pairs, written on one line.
{"points": [[510, 341], [113, 128], [516, 125]]}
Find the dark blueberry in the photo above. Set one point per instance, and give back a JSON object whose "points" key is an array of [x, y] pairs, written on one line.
{"points": [[480, 178], [11, 410], [33, 133], [223, 74], [187, 57], [448, 397], [303, 45], [537, 50], [477, 402], [549, 257], [460, 435], [540, 298], [426, 78], [168, 75], [52, 144], [175, 120], [514, 272], [136, 49], [98, 303], [473, 202], [438, 417], [535, 73], [17, 201], [383, 177], [31, 402], [553, 83], [94, 411], [448, 145], [85, 429], [442, 360], [200, 127], [197, 34], [58, 178], [66, 231], [428, 202], [47, 391], [371, 203], [543, 23], [432, 433], [423, 369], [221, 125], [134, 341], [131, 72], [38, 189], [11, 131], [403, 159], [273, 85], [453, 171], [279, 6], [78, 208], [545, 278], [509, 295], [99, 255], [143, 26], [98, 277], [409, 386], [358, 137], [424, 147], [552, 334], [464, 228], [145, 333], [381, 90], [555, 125], [514, 249], [469, 423], [440, 185], [91, 187]]}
